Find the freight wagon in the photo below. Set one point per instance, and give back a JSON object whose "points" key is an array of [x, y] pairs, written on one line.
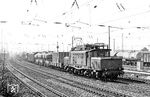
{"points": [[58, 58], [30, 57], [50, 58], [47, 59], [132, 57], [39, 58], [144, 56]]}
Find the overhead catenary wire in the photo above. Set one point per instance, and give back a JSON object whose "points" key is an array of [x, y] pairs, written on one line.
{"points": [[120, 6], [63, 13], [35, 1], [75, 2], [129, 16], [86, 3]]}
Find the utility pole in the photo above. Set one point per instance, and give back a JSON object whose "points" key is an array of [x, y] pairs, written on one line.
{"points": [[3, 68], [57, 62], [3, 65], [108, 34], [72, 41], [109, 37], [122, 42], [57, 47], [114, 44], [109, 27]]}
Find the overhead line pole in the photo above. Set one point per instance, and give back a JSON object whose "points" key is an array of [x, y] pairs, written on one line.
{"points": [[109, 27], [109, 37]]}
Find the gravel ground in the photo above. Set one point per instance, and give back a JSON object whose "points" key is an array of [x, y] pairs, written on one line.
{"points": [[9, 78], [67, 89], [133, 89]]}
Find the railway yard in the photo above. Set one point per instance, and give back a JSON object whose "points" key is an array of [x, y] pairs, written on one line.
{"points": [[74, 48]]}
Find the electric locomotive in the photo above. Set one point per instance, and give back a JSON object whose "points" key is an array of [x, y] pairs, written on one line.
{"points": [[93, 60]]}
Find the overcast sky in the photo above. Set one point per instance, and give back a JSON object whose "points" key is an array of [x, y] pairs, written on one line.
{"points": [[30, 26]]}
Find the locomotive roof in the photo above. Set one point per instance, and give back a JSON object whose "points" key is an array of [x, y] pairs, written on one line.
{"points": [[84, 51], [90, 47]]}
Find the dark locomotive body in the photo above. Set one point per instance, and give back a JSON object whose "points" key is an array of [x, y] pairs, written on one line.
{"points": [[92, 60]]}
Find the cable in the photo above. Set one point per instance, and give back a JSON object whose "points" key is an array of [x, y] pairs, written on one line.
{"points": [[34, 1], [75, 2], [141, 13], [70, 10], [120, 6]]}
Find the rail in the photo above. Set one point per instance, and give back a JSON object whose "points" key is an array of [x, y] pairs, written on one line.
{"points": [[40, 84]]}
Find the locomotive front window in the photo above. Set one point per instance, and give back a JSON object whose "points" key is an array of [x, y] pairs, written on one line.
{"points": [[100, 53]]}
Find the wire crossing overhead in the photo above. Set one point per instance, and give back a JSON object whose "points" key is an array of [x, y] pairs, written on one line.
{"points": [[35, 1], [120, 7], [75, 2]]}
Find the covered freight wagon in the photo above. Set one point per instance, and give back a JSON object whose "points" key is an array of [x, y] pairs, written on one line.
{"points": [[30, 57], [48, 58], [39, 58], [58, 58], [144, 57]]}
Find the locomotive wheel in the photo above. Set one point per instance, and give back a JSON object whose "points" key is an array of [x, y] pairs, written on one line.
{"points": [[78, 72], [86, 73], [67, 69], [70, 70], [103, 75], [89, 73], [93, 74], [81, 72], [75, 71], [97, 75]]}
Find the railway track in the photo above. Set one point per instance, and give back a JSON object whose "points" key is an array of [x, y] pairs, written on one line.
{"points": [[49, 91], [126, 79], [134, 80], [91, 89]]}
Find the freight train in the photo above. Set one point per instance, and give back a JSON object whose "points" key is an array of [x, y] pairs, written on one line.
{"points": [[92, 60], [132, 57]]}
